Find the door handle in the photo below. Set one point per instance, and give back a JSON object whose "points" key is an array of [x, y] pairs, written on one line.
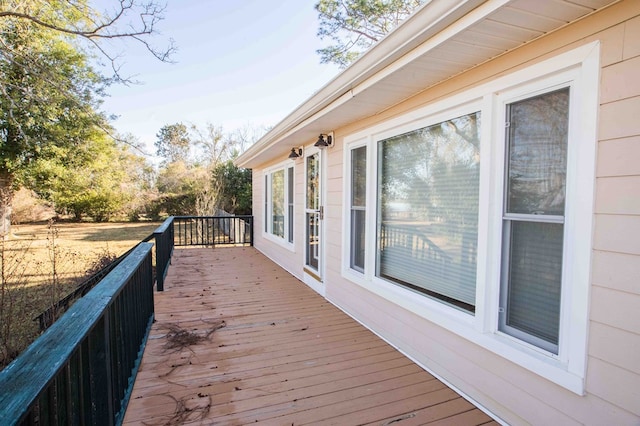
{"points": [[321, 212]]}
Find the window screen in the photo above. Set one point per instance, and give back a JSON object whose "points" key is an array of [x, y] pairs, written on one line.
{"points": [[537, 134]]}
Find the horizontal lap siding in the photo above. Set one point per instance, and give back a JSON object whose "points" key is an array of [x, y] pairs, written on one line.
{"points": [[614, 344], [511, 392], [333, 211]]}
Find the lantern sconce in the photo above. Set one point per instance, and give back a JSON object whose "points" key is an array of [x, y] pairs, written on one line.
{"points": [[323, 143], [295, 153]]}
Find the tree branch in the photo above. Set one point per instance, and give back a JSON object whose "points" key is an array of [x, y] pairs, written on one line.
{"points": [[144, 18]]}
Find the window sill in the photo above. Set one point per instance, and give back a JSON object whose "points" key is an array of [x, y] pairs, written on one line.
{"points": [[464, 325], [279, 241]]}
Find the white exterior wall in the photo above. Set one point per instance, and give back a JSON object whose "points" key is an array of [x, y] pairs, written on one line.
{"points": [[513, 393]]}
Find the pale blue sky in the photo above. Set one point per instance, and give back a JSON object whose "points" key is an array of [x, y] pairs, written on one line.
{"points": [[239, 62]]}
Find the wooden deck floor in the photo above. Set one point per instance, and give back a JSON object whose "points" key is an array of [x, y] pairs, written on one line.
{"points": [[238, 340]]}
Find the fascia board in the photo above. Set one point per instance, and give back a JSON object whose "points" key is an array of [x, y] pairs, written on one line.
{"points": [[438, 19]]}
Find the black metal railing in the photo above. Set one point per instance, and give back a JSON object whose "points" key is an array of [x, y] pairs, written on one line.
{"points": [[82, 369], [207, 231], [213, 230]]}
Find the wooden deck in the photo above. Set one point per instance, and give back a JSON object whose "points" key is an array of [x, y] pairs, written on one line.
{"points": [[238, 340]]}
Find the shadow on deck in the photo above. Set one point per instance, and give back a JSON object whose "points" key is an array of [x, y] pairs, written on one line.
{"points": [[239, 340]]}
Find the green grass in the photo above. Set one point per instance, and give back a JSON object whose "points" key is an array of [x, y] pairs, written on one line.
{"points": [[40, 264]]}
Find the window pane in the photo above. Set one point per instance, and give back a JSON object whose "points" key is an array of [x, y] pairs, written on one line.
{"points": [[277, 203], [358, 204], [313, 231], [359, 176], [357, 239], [537, 135], [428, 209], [535, 272]]}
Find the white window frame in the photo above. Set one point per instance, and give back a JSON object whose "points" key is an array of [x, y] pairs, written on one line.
{"points": [[579, 69], [348, 173], [286, 240]]}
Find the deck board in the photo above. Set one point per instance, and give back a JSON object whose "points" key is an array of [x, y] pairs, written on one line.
{"points": [[283, 355]]}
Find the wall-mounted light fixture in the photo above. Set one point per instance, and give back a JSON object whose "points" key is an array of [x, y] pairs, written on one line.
{"points": [[295, 153], [323, 143]]}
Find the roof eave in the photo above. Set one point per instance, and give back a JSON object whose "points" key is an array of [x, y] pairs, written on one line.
{"points": [[429, 20]]}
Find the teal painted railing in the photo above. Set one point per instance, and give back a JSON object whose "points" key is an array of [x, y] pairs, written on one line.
{"points": [[82, 369], [164, 250]]}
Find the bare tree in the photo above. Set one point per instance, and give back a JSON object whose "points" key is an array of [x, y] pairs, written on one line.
{"points": [[126, 20], [243, 137]]}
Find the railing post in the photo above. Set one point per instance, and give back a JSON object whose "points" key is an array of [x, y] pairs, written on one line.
{"points": [[164, 236], [251, 231]]}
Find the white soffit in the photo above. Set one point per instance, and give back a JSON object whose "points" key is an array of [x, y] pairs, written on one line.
{"points": [[442, 39]]}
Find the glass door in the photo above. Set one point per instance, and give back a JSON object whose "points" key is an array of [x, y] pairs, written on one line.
{"points": [[313, 215]]}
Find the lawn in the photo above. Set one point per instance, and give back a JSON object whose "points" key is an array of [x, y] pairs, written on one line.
{"points": [[41, 263]]}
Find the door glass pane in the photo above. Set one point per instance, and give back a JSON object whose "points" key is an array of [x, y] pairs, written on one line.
{"points": [[313, 190], [537, 135], [277, 203], [290, 203], [266, 203], [313, 231], [428, 189], [535, 272]]}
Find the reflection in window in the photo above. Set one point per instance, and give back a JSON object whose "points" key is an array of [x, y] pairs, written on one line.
{"points": [[537, 135], [428, 187], [279, 203], [358, 206], [313, 194], [290, 202], [312, 212]]}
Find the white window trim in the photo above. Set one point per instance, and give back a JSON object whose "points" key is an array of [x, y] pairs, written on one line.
{"points": [[346, 224], [268, 234], [579, 68]]}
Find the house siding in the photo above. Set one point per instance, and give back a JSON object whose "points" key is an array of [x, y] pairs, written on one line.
{"points": [[614, 345], [511, 392]]}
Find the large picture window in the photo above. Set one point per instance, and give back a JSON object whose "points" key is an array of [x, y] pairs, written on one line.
{"points": [[428, 184], [279, 203], [485, 227]]}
